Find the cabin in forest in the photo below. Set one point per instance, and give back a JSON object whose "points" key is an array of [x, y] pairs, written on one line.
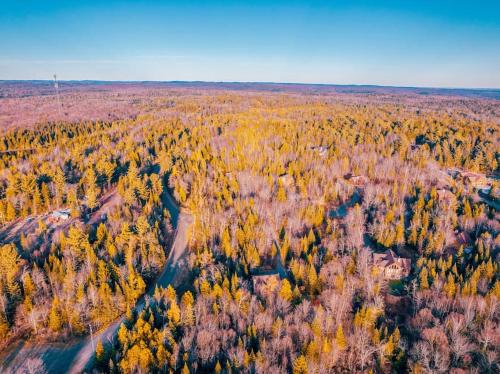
{"points": [[265, 284], [321, 150], [357, 180], [392, 266], [59, 216], [476, 180]]}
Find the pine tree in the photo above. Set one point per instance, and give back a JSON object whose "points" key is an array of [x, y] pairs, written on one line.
{"points": [[312, 279], [326, 347], [424, 279], [55, 323], [174, 314], [10, 214], [60, 184], [9, 267], [4, 326], [450, 287], [281, 196], [300, 365], [37, 201], [187, 298], [400, 231], [226, 243], [489, 270], [123, 335], [340, 338], [413, 238], [99, 351], [467, 209], [205, 288], [389, 347], [218, 367], [286, 290], [90, 190], [170, 293], [181, 192]]}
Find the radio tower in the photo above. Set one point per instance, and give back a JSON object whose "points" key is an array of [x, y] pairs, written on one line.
{"points": [[56, 86]]}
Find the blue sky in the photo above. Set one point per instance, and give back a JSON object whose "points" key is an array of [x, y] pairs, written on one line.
{"points": [[407, 43]]}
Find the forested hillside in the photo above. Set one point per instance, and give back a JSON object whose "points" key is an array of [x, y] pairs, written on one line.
{"points": [[331, 232]]}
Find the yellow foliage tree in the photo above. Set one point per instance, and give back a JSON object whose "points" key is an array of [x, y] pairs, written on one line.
{"points": [[300, 365], [340, 339]]}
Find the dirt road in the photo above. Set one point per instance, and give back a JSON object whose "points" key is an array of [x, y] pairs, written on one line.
{"points": [[74, 357], [175, 261]]}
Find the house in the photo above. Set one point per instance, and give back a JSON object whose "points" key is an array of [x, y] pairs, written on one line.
{"points": [[265, 284], [59, 216], [357, 180], [392, 266], [322, 150], [476, 180]]}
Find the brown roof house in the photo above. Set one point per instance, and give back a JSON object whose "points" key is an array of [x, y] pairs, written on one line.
{"points": [[357, 180], [392, 266]]}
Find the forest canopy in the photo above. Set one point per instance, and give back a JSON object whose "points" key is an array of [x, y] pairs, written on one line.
{"points": [[324, 231]]}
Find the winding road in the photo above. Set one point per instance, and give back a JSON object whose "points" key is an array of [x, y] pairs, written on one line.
{"points": [[74, 357]]}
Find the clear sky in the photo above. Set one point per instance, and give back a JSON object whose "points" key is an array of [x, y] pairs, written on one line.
{"points": [[407, 43]]}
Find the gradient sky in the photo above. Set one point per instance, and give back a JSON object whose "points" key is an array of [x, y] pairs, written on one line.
{"points": [[404, 43]]}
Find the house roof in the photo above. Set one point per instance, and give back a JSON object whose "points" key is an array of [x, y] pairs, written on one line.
{"points": [[61, 213], [356, 179], [474, 177], [388, 258]]}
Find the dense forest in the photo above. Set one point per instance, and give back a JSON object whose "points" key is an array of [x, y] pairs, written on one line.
{"points": [[329, 232]]}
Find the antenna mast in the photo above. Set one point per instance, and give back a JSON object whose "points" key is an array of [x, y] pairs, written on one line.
{"points": [[56, 86]]}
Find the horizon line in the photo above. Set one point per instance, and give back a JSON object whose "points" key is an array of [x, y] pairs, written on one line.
{"points": [[259, 82]]}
